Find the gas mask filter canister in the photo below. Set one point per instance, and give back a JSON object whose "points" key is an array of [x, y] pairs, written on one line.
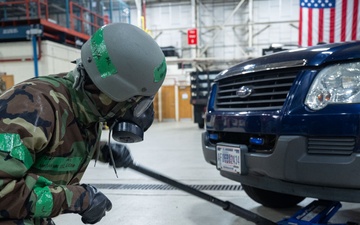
{"points": [[131, 127]]}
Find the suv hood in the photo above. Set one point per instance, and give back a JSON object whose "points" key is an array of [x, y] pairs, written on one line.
{"points": [[310, 56]]}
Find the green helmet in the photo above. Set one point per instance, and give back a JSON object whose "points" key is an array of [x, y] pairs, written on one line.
{"points": [[123, 61]]}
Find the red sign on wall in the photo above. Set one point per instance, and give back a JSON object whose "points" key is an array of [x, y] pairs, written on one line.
{"points": [[192, 36]]}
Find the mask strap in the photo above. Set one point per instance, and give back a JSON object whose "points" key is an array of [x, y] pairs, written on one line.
{"points": [[115, 110], [79, 76], [110, 152], [98, 151], [79, 83], [92, 104]]}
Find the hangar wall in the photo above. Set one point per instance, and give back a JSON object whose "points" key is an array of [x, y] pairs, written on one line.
{"points": [[16, 59], [229, 34], [224, 31]]}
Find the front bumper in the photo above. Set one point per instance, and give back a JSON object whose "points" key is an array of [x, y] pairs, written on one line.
{"points": [[290, 169]]}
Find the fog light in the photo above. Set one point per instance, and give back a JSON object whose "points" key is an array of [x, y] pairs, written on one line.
{"points": [[213, 136], [256, 141]]}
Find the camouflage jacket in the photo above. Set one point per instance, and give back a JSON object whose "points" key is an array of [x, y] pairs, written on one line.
{"points": [[48, 136]]}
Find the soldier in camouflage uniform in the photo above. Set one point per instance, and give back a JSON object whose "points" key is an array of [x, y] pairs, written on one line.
{"points": [[50, 126]]}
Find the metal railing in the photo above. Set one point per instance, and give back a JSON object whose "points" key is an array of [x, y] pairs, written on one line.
{"points": [[66, 14]]}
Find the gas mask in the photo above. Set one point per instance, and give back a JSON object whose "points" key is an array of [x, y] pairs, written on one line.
{"points": [[130, 127], [137, 119]]}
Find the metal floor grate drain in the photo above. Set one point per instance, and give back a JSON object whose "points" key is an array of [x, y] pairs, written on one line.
{"points": [[202, 187]]}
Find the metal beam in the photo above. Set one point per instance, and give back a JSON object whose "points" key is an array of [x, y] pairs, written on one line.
{"points": [[207, 10], [229, 25], [222, 26], [194, 24], [174, 60], [250, 27], [139, 11], [158, 35], [260, 31]]}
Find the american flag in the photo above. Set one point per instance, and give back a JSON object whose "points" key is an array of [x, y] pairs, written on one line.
{"points": [[328, 21]]}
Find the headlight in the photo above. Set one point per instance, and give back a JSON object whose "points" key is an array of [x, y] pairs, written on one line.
{"points": [[335, 84]]}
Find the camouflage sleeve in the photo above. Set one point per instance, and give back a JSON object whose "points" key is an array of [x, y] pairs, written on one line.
{"points": [[25, 128]]}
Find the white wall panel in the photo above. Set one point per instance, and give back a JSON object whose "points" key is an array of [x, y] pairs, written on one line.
{"points": [[21, 50], [273, 21], [278, 14], [55, 58], [167, 23]]}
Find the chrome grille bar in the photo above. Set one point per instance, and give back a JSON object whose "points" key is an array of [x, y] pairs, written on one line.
{"points": [[269, 90]]}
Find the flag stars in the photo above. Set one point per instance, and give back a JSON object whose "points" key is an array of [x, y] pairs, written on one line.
{"points": [[329, 21], [317, 3]]}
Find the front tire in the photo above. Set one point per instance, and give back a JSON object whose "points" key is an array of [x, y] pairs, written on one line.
{"points": [[272, 199]]}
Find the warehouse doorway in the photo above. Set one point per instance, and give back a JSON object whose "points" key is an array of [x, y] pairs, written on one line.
{"points": [[168, 102], [185, 108], [173, 103]]}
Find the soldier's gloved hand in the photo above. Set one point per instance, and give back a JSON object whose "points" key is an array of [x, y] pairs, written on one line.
{"points": [[99, 204], [121, 154]]}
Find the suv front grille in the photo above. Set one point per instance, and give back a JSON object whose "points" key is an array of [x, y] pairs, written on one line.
{"points": [[269, 90], [331, 145]]}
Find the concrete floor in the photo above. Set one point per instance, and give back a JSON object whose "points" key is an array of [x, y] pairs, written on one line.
{"points": [[173, 149]]}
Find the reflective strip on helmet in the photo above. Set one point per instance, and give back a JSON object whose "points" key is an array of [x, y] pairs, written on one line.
{"points": [[12, 144], [101, 56], [160, 71]]}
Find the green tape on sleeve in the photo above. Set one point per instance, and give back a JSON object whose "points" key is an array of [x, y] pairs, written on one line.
{"points": [[44, 204], [160, 71], [42, 181], [12, 144], [101, 55], [59, 164]]}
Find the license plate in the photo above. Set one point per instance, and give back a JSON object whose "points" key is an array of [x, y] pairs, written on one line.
{"points": [[230, 157]]}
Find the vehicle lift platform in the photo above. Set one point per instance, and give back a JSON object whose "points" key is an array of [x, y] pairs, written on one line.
{"points": [[318, 212]]}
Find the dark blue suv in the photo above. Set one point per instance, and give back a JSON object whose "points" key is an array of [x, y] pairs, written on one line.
{"points": [[287, 125]]}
